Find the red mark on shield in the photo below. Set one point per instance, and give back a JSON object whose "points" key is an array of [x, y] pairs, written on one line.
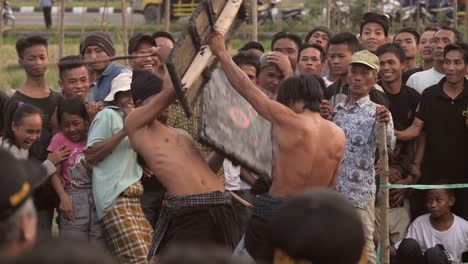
{"points": [[238, 117]]}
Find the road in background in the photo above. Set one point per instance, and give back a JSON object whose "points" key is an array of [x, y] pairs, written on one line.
{"points": [[36, 18]]}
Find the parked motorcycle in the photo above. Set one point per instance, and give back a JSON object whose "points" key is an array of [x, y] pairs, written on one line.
{"points": [[269, 11], [8, 17]]}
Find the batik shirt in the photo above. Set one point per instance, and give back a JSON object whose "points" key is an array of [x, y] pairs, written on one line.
{"points": [[356, 179]]}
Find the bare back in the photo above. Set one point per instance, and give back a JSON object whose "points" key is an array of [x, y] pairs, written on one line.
{"points": [[305, 158], [172, 156]]}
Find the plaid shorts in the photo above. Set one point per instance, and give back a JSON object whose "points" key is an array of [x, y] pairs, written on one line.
{"points": [[127, 231]]}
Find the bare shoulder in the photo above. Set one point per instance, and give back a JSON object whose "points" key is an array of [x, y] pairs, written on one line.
{"points": [[336, 132]]}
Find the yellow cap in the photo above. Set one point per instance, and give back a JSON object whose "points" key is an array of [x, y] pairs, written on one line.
{"points": [[367, 58]]}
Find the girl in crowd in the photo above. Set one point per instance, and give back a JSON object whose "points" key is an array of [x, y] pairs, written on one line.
{"points": [[72, 181]]}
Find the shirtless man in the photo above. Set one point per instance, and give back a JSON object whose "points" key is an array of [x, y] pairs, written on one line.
{"points": [[194, 193], [307, 149]]}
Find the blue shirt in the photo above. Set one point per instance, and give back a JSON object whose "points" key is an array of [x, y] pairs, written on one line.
{"points": [[46, 3], [120, 169], [101, 87], [356, 179]]}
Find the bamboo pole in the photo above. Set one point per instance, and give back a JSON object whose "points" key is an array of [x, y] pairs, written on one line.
{"points": [[103, 15], [83, 19], [279, 18], [168, 15], [455, 13], [1, 23], [369, 4], [418, 15], [328, 14], [255, 20], [61, 28], [384, 204], [466, 19], [125, 27]]}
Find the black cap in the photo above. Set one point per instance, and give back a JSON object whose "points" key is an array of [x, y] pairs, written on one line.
{"points": [[144, 84], [18, 179], [322, 220], [378, 18], [137, 39]]}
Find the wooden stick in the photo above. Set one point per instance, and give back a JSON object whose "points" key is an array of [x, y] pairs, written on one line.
{"points": [[418, 15], [328, 13], [85, 62], [255, 20], [103, 15], [125, 28], [369, 4], [82, 22], [455, 14], [61, 28], [465, 25], [1, 23], [383, 197], [240, 200], [167, 16]]}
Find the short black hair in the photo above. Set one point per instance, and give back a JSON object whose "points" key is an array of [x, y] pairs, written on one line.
{"points": [[392, 48], [314, 46], [301, 88], [68, 63], [283, 34], [348, 39], [72, 106], [461, 47], [247, 59], [458, 36], [318, 219], [28, 42], [163, 34], [444, 181], [252, 45], [411, 31]]}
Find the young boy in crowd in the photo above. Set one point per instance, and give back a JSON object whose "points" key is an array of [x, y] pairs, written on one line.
{"points": [[34, 58], [441, 235], [74, 81]]}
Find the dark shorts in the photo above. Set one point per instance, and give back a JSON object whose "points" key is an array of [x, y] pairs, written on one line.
{"points": [[215, 224], [256, 236]]}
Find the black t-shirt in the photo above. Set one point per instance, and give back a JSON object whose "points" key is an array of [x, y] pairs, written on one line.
{"points": [[408, 73], [3, 99], [47, 105], [403, 106], [446, 152]]}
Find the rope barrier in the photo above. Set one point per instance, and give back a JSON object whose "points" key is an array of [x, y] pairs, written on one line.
{"points": [[425, 186]]}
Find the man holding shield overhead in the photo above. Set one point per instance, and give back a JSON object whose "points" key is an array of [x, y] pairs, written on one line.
{"points": [[307, 149]]}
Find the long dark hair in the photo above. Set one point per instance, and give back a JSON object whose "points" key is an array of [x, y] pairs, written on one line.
{"points": [[14, 113], [301, 88]]}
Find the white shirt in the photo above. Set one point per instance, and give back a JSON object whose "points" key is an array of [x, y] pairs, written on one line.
{"points": [[454, 240], [422, 80], [232, 180]]}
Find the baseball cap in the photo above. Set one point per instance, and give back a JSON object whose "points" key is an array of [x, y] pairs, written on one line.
{"points": [[19, 178], [137, 39], [378, 18], [120, 83], [367, 58]]}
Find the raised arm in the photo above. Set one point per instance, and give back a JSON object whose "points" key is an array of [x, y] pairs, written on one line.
{"points": [[411, 132], [145, 114], [271, 110]]}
